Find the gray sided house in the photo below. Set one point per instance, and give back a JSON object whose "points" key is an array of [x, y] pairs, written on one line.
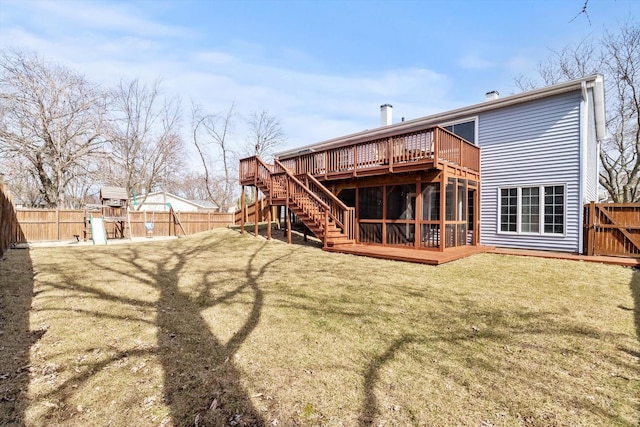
{"points": [[509, 172]]}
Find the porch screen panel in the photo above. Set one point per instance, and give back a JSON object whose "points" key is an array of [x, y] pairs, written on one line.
{"points": [[450, 214], [462, 236], [461, 214], [370, 203], [431, 201], [370, 232], [401, 234], [450, 235], [430, 234], [401, 202]]}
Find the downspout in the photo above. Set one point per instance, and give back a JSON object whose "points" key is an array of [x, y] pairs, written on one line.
{"points": [[582, 154]]}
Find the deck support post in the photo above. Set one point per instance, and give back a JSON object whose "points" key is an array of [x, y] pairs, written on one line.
{"points": [[288, 212], [476, 216], [288, 225], [269, 209], [242, 210], [257, 212], [443, 213]]}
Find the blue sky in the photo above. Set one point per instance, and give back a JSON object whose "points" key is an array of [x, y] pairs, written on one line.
{"points": [[323, 67]]}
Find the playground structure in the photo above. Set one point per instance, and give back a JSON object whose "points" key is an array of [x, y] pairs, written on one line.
{"points": [[114, 221], [150, 218], [111, 218]]}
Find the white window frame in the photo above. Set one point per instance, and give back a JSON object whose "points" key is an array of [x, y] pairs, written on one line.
{"points": [[541, 223]]}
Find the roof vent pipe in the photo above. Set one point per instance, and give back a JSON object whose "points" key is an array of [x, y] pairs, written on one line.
{"points": [[386, 114], [493, 95]]}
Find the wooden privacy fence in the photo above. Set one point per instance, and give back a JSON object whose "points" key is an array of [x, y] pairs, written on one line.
{"points": [[64, 224], [612, 229], [260, 208], [8, 225]]}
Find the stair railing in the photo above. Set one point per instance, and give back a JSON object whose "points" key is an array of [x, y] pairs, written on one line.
{"points": [[343, 215], [337, 212]]}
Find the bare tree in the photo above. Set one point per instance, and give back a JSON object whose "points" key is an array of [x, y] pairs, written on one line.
{"points": [[620, 155], [617, 55], [191, 185], [51, 120], [146, 149], [22, 181], [211, 136], [265, 134]]}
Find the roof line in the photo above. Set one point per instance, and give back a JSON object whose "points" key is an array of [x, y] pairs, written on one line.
{"points": [[432, 120]]}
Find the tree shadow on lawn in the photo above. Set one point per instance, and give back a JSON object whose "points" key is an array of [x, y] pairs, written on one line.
{"points": [[280, 234], [635, 292], [202, 385], [16, 294], [508, 329]]}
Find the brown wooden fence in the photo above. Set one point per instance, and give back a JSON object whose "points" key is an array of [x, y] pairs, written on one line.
{"points": [[260, 208], [612, 229], [8, 225], [64, 224]]}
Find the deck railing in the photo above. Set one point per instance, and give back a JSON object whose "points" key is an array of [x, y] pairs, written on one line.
{"points": [[305, 191], [428, 145], [254, 169], [342, 215]]}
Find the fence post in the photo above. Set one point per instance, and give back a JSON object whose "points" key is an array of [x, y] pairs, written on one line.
{"points": [[57, 224], [591, 233]]}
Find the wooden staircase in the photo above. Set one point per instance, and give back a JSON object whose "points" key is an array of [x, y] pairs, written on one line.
{"points": [[326, 216]]}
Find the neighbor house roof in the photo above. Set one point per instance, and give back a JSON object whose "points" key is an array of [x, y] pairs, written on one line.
{"points": [[204, 204], [595, 81]]}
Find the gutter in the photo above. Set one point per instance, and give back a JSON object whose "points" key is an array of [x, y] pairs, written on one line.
{"points": [[595, 81]]}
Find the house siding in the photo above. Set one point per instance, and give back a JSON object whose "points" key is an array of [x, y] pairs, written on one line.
{"points": [[531, 144]]}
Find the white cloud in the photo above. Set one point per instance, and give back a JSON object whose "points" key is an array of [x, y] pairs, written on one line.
{"points": [[94, 15], [474, 61], [312, 106]]}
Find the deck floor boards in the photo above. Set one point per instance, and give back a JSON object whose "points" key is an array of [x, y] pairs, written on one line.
{"points": [[624, 261], [410, 254], [452, 254]]}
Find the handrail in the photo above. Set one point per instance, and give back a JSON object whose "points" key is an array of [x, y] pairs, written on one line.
{"points": [[292, 177], [340, 214], [306, 191], [433, 143], [329, 194]]}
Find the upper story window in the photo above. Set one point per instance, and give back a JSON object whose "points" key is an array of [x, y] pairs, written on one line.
{"points": [[466, 129]]}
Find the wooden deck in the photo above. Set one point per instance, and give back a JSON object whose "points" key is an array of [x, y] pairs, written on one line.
{"points": [[627, 262], [411, 255], [430, 148]]}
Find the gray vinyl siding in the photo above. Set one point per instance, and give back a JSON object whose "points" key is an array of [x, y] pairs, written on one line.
{"points": [[591, 167], [532, 144]]}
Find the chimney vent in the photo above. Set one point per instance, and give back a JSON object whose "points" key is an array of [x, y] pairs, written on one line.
{"points": [[386, 114], [493, 95]]}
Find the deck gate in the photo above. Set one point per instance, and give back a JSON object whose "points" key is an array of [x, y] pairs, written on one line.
{"points": [[612, 229]]}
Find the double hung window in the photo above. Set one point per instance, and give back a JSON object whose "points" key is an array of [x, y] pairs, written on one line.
{"points": [[533, 210]]}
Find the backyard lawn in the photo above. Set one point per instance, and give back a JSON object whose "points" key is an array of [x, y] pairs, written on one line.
{"points": [[223, 329]]}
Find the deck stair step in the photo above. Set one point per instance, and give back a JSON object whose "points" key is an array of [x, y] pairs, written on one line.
{"points": [[307, 202]]}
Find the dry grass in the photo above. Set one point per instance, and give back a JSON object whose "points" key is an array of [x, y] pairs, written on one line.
{"points": [[223, 329]]}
